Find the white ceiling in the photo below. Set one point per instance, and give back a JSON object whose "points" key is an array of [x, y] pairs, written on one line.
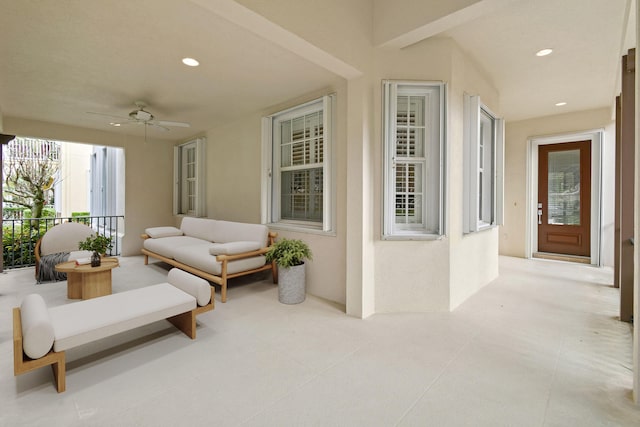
{"points": [[587, 37], [61, 59]]}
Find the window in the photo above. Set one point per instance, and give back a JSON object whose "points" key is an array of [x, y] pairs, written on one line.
{"points": [[484, 136], [414, 148], [189, 178], [298, 177]]}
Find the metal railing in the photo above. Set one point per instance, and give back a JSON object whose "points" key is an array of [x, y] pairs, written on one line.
{"points": [[31, 148], [19, 236]]}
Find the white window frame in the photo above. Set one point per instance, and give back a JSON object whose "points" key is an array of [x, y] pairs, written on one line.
{"points": [[432, 225], [271, 173], [200, 178], [475, 191]]}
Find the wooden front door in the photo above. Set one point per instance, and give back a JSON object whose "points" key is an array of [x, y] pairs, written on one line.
{"points": [[564, 198]]}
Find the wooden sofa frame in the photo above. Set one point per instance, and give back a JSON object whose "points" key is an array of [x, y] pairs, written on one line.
{"points": [[224, 259], [186, 322]]}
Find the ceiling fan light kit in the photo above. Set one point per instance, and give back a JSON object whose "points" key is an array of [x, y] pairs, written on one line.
{"points": [[141, 116]]}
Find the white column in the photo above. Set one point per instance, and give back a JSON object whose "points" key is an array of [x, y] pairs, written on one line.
{"points": [[360, 183]]}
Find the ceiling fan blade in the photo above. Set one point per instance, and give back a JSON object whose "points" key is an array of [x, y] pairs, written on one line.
{"points": [[159, 126], [174, 124], [108, 115]]}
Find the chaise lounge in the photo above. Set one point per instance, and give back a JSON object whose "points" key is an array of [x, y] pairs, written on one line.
{"points": [[41, 335]]}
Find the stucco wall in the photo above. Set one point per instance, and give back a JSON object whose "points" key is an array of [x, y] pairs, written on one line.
{"points": [[409, 275], [234, 179], [434, 275], [474, 260], [513, 232]]}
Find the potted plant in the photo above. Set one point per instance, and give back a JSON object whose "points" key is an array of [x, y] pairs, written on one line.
{"points": [[289, 255], [98, 244]]}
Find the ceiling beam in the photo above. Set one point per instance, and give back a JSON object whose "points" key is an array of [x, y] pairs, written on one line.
{"points": [[261, 26], [401, 23]]}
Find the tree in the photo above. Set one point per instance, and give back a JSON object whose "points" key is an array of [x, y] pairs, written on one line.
{"points": [[30, 167]]}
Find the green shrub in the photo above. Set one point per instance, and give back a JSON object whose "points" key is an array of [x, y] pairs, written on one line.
{"points": [[288, 252], [18, 244]]}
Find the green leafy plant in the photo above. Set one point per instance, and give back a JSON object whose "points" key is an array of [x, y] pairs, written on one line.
{"points": [[288, 252], [96, 243]]}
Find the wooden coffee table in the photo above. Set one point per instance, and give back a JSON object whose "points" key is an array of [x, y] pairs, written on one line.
{"points": [[84, 281]]}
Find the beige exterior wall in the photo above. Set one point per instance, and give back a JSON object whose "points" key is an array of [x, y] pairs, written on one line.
{"points": [[473, 257], [409, 275], [433, 275], [73, 189], [234, 179], [513, 232]]}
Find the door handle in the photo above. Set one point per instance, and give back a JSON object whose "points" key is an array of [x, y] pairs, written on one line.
{"points": [[539, 213]]}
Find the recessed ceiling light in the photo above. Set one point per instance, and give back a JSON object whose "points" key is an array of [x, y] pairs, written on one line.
{"points": [[115, 124], [190, 62], [560, 104], [544, 52]]}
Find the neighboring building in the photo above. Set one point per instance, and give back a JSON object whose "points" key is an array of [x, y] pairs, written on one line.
{"points": [[89, 178]]}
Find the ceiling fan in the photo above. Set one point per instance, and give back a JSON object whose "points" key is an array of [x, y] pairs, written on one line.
{"points": [[143, 117]]}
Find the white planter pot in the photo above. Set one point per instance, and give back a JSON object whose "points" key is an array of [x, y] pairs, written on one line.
{"points": [[291, 284]]}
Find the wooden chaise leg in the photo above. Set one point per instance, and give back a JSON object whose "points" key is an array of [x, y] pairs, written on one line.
{"points": [[60, 374], [186, 322], [23, 364]]}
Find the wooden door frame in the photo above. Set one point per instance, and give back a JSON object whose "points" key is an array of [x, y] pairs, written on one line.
{"points": [[596, 137]]}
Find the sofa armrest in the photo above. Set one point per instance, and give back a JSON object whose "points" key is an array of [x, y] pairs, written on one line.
{"points": [[261, 251], [272, 237]]}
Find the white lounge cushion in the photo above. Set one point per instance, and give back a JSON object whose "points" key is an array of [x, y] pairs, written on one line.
{"points": [[200, 258], [85, 321], [159, 232], [64, 238], [227, 231], [233, 248], [201, 228], [193, 285], [168, 245], [37, 329]]}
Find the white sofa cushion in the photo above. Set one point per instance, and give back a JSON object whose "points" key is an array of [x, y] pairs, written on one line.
{"points": [[168, 245], [85, 321], [37, 329], [227, 231], [64, 238], [232, 248], [159, 232], [200, 258], [193, 285], [201, 228]]}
